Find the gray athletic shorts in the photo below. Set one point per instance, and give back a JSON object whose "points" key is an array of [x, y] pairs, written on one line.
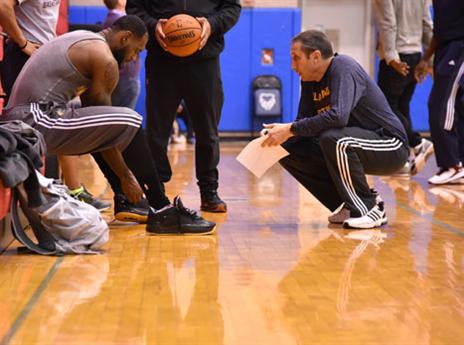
{"points": [[75, 131]]}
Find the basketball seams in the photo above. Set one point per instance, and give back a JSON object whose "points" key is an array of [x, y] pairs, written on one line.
{"points": [[183, 35]]}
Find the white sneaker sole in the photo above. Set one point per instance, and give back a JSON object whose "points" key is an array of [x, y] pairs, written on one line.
{"points": [[374, 224], [451, 180]]}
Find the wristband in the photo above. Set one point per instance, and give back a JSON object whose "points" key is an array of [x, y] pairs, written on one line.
{"points": [[24, 46]]}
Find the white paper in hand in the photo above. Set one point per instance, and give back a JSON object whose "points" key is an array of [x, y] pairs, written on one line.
{"points": [[258, 159]]}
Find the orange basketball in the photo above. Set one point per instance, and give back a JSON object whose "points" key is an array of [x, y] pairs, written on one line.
{"points": [[182, 35]]}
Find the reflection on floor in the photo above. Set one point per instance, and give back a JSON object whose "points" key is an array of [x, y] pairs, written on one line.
{"points": [[275, 273]]}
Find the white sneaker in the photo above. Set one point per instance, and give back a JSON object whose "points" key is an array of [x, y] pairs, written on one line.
{"points": [[422, 152], [450, 175], [374, 218], [342, 213]]}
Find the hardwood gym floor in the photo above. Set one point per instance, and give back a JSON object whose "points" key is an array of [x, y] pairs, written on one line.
{"points": [[275, 273]]}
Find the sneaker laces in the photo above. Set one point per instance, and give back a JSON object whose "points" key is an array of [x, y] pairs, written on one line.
{"points": [[188, 212]]}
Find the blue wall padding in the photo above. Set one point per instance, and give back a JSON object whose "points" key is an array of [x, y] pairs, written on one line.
{"points": [[236, 76], [274, 28], [140, 106], [419, 110]]}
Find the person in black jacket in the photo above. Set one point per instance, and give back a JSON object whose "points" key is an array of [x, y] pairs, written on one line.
{"points": [[196, 79]]}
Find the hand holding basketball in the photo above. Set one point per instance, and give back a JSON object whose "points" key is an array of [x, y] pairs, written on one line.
{"points": [[159, 33], [182, 35], [205, 31]]}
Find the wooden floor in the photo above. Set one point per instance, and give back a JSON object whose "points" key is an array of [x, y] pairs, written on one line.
{"points": [[275, 273]]}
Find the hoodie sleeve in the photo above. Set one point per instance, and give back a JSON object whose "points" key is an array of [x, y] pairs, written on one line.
{"points": [[225, 17], [345, 91]]}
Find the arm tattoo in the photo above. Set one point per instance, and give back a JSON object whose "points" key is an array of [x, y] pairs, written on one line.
{"points": [[111, 76]]}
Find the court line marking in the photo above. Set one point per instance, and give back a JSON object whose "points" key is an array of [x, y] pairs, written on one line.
{"points": [[430, 218], [31, 303]]}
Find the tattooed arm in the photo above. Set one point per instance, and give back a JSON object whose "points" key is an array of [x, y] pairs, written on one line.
{"points": [[105, 76], [102, 69]]}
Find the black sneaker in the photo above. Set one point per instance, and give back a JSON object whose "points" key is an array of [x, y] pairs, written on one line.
{"points": [[125, 211], [83, 195], [178, 220], [211, 202]]}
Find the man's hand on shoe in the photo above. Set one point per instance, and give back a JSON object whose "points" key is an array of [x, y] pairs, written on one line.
{"points": [[131, 188]]}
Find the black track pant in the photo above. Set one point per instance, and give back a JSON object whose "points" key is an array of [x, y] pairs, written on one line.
{"points": [[333, 168], [398, 90], [446, 104], [138, 158], [13, 61], [199, 84]]}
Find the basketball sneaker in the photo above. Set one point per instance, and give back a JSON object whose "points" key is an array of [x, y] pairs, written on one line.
{"points": [[211, 202], [342, 213], [82, 194], [374, 218], [125, 211], [176, 219], [422, 152], [449, 175]]}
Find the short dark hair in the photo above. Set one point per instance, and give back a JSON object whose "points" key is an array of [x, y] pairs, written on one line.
{"points": [[312, 40], [130, 23], [111, 4]]}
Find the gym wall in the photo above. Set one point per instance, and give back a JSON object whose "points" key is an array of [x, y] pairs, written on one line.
{"points": [[349, 23]]}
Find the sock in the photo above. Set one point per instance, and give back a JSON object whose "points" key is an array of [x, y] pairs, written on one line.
{"points": [[77, 191]]}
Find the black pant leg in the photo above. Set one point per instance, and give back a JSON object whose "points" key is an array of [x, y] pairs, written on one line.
{"points": [[185, 116], [163, 95], [203, 95], [138, 159], [351, 153], [444, 119], [112, 178], [394, 85], [307, 165], [412, 60], [13, 61]]}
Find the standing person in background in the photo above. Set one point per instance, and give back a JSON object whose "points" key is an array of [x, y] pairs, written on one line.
{"points": [[30, 24], [405, 30], [128, 89], [196, 79], [446, 100], [182, 113]]}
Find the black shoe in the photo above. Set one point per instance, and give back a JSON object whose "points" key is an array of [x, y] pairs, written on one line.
{"points": [[178, 220], [128, 212], [211, 202], [83, 195]]}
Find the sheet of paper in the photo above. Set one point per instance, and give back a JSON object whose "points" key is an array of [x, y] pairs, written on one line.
{"points": [[259, 159]]}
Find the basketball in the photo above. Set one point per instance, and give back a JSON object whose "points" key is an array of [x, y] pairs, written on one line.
{"points": [[182, 35]]}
